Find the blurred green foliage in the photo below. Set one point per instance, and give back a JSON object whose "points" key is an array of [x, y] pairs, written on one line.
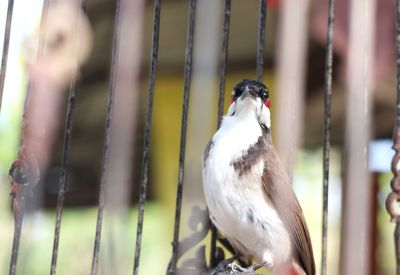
{"points": [[77, 240]]}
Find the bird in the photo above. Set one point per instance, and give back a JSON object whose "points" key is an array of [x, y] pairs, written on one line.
{"points": [[247, 191]]}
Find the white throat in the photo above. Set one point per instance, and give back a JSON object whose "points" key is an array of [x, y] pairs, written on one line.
{"points": [[251, 109]]}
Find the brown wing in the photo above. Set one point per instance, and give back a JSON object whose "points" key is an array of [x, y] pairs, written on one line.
{"points": [[279, 191]]}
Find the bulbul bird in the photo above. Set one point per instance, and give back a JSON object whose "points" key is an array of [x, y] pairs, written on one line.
{"points": [[248, 193]]}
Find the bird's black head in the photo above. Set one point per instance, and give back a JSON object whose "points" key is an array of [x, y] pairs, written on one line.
{"points": [[250, 100], [254, 88]]}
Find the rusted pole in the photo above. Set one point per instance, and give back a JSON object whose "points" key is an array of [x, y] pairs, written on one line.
{"points": [[147, 133], [185, 111], [6, 44], [66, 146], [262, 18], [223, 60], [327, 133], [107, 141]]}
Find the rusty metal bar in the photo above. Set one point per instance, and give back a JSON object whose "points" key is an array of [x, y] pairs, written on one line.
{"points": [[394, 197], [261, 39], [110, 104], [118, 172], [327, 133], [185, 111], [147, 133], [15, 246], [213, 247], [21, 172], [63, 174], [223, 60], [6, 44], [64, 162], [17, 236]]}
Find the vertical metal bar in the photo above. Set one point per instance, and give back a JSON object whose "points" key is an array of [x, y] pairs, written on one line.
{"points": [[19, 199], [6, 44], [118, 172], [396, 141], [64, 162], [17, 235], [327, 132], [394, 196], [63, 174], [213, 247], [397, 246], [223, 60], [147, 133], [185, 111], [261, 39], [110, 105]]}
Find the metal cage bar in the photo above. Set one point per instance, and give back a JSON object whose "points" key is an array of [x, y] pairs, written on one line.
{"points": [[261, 39], [110, 104], [16, 239], [18, 213], [396, 145], [6, 44], [64, 163], [185, 112], [327, 132], [223, 60], [147, 132], [63, 174]]}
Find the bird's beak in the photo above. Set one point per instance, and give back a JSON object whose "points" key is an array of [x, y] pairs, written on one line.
{"points": [[248, 92]]}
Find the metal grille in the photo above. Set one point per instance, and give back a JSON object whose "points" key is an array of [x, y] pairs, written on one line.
{"points": [[21, 185]]}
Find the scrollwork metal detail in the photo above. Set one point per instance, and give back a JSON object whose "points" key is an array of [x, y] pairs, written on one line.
{"points": [[199, 224], [394, 197]]}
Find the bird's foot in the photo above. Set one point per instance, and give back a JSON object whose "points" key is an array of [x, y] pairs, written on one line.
{"points": [[259, 265], [228, 266], [234, 268], [221, 268]]}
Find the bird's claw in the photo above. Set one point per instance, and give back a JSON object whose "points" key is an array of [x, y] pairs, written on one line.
{"points": [[228, 266], [234, 268]]}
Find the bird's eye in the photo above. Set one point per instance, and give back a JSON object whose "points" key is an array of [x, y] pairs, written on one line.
{"points": [[263, 94]]}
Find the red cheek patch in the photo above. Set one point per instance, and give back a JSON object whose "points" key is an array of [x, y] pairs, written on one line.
{"points": [[267, 103]]}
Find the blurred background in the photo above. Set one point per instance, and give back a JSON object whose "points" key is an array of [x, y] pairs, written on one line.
{"points": [[294, 72]]}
